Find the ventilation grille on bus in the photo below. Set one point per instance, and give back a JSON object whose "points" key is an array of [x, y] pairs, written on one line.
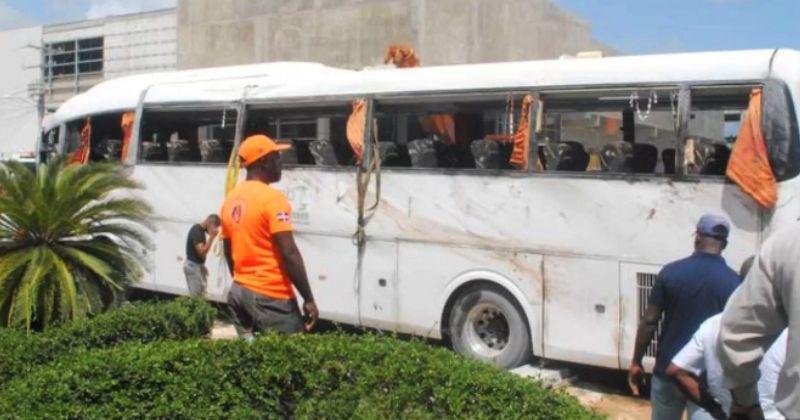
{"points": [[644, 286]]}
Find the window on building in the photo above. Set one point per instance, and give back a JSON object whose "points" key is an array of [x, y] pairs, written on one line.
{"points": [[187, 135], [69, 58], [317, 134], [610, 131], [469, 132], [716, 115]]}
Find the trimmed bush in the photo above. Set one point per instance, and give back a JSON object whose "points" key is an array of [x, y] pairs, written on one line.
{"points": [[144, 322], [305, 376]]}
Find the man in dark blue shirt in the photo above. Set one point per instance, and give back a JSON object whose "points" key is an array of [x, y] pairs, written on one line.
{"points": [[686, 293]]}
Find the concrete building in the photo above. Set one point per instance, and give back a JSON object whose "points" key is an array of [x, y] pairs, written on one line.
{"points": [[78, 55], [356, 33], [63, 60]]}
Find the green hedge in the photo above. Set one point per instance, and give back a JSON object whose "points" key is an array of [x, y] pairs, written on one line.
{"points": [[305, 376], [144, 322]]}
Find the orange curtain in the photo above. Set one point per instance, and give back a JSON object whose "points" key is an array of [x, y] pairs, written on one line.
{"points": [[127, 131], [749, 164], [355, 127], [81, 154], [522, 137], [442, 125]]}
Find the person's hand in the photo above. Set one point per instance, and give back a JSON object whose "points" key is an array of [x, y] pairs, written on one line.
{"points": [[212, 233], [312, 314], [635, 375], [740, 412]]}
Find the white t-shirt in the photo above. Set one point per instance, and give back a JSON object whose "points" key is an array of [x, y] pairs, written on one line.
{"points": [[770, 368], [700, 355]]}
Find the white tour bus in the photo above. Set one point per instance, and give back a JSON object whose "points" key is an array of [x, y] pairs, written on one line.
{"points": [[555, 261]]}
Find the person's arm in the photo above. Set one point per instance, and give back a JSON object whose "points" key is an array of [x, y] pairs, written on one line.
{"points": [[644, 336], [226, 247], [690, 362], [296, 269], [752, 319], [202, 248], [691, 387]]}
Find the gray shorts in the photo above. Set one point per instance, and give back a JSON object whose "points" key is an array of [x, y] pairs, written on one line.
{"points": [[253, 312], [196, 278]]}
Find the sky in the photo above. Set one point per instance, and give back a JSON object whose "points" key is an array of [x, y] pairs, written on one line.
{"points": [[23, 13], [655, 26], [628, 26]]}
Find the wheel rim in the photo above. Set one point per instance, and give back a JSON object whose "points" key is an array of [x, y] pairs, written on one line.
{"points": [[486, 331]]}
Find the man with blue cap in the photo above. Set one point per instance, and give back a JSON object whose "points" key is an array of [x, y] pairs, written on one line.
{"points": [[686, 293]]}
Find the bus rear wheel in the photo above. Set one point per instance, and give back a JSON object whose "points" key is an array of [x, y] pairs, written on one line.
{"points": [[486, 324]]}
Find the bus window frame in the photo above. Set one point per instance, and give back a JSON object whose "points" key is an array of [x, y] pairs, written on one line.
{"points": [[318, 102], [399, 100], [181, 107], [675, 87], [684, 112], [376, 99]]}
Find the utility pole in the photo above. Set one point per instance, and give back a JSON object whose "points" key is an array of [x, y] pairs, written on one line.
{"points": [[38, 91]]}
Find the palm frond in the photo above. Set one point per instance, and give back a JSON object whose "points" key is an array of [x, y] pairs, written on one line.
{"points": [[71, 237]]}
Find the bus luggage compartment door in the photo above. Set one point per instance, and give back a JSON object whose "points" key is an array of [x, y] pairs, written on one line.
{"points": [[378, 287], [581, 310]]}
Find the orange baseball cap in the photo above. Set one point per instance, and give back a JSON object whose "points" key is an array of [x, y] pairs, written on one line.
{"points": [[257, 146]]}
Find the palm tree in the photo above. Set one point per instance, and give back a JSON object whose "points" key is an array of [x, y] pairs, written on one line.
{"points": [[70, 240]]}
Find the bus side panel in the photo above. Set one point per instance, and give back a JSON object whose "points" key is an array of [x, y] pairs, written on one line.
{"points": [[581, 292], [331, 266], [428, 273], [170, 240]]}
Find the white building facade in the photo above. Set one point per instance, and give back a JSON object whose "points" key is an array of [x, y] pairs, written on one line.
{"points": [[59, 61]]}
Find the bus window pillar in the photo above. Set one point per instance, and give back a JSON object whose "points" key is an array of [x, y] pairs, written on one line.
{"points": [[682, 127]]}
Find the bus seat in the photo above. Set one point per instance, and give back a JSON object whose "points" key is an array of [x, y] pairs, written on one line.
{"points": [[323, 153], [389, 153], [645, 158], [571, 156], [154, 151], [617, 157], [423, 153], [487, 154], [178, 150], [113, 149], [668, 159], [212, 150], [714, 158], [548, 154], [289, 156]]}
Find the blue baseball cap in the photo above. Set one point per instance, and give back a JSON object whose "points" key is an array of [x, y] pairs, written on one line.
{"points": [[714, 226]]}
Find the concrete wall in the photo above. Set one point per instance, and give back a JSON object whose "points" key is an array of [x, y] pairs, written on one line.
{"points": [[355, 33], [136, 43], [18, 71]]}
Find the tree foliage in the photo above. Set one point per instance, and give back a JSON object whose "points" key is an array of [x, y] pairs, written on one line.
{"points": [[71, 237]]}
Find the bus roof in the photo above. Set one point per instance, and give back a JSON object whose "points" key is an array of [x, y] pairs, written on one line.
{"points": [[279, 80]]}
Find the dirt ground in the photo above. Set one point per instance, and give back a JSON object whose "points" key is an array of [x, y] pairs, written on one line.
{"points": [[610, 402]]}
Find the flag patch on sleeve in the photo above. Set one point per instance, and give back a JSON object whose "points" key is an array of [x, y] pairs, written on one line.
{"points": [[283, 217]]}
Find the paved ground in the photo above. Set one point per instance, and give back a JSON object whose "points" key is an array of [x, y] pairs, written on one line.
{"points": [[598, 389]]}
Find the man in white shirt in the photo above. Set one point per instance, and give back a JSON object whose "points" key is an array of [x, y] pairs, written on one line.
{"points": [[711, 399]]}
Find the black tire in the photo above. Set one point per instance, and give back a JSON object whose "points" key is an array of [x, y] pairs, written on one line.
{"points": [[486, 323]]}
